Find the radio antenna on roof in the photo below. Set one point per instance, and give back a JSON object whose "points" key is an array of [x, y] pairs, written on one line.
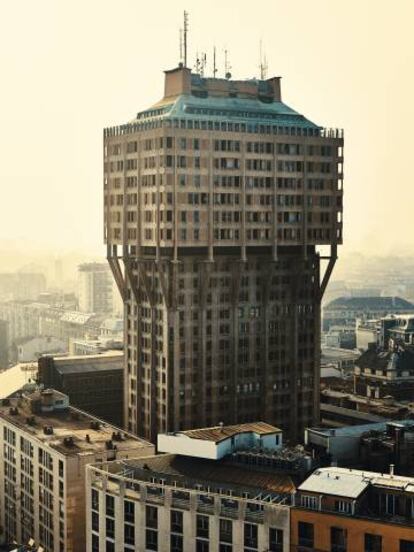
{"points": [[227, 65], [263, 63], [185, 32], [214, 63]]}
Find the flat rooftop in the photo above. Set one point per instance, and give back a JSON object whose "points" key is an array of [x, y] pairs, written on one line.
{"points": [[108, 360], [351, 483], [67, 423], [192, 472]]}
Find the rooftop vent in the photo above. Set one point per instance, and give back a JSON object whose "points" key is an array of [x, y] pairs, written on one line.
{"points": [[48, 430], [31, 420], [68, 442], [95, 425], [14, 411]]}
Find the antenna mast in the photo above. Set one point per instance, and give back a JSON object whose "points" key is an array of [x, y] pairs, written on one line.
{"points": [[185, 31], [227, 65], [214, 63], [262, 64]]}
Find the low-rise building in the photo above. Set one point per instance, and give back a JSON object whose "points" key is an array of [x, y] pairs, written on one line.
{"points": [[340, 509], [344, 311], [94, 383], [185, 502], [387, 368], [46, 445], [28, 349]]}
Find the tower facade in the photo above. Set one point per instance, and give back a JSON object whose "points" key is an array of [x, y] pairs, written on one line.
{"points": [[215, 201]]}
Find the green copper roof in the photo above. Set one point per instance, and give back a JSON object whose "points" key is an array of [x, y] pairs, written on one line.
{"points": [[230, 109]]}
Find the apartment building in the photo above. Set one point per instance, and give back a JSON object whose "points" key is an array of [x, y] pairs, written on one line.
{"points": [[95, 288], [340, 510], [216, 199], [46, 445], [203, 501]]}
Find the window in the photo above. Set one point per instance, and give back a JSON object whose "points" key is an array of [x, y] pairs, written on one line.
{"points": [[129, 511], [305, 533], [338, 539], [225, 547], [110, 528], [176, 543], [343, 506], [95, 543], [129, 534], [275, 540], [226, 530], [250, 535], [110, 505], [152, 517], [176, 521], [110, 546], [373, 543], [151, 539], [95, 500], [310, 502], [202, 526], [201, 545], [95, 522], [406, 546]]}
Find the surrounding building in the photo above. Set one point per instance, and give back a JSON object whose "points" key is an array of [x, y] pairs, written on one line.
{"points": [[371, 446], [95, 288], [4, 344], [342, 359], [21, 286], [46, 445], [366, 334], [215, 201], [386, 369], [92, 346], [94, 383], [35, 319], [174, 502], [345, 311], [341, 337], [28, 349], [339, 509]]}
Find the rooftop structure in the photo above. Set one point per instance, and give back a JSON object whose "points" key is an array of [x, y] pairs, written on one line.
{"points": [[217, 442], [215, 200]]}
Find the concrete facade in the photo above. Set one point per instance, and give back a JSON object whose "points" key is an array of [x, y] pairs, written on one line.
{"points": [[215, 201], [46, 447]]}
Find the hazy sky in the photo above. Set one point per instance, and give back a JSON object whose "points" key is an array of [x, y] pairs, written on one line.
{"points": [[71, 67]]}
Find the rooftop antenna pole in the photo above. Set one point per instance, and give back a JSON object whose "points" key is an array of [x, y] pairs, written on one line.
{"points": [[263, 64], [227, 65], [203, 64], [185, 31], [214, 63], [181, 47]]}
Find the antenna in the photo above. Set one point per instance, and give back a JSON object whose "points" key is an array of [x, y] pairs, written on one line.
{"points": [[181, 47], [203, 64], [214, 63], [185, 31], [262, 64], [227, 65]]}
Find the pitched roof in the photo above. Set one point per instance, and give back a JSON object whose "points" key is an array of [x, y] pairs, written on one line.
{"points": [[218, 433], [375, 303]]}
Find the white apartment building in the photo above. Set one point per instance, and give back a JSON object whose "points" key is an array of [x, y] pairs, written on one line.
{"points": [[46, 446], [183, 503]]}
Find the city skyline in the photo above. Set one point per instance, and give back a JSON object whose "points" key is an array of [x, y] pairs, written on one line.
{"points": [[367, 91]]}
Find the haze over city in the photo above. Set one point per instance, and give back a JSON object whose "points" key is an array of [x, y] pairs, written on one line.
{"points": [[71, 68]]}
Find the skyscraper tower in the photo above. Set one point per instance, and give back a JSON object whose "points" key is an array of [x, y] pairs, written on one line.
{"points": [[215, 200]]}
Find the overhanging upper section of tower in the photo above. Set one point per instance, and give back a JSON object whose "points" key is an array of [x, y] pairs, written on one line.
{"points": [[221, 163]]}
